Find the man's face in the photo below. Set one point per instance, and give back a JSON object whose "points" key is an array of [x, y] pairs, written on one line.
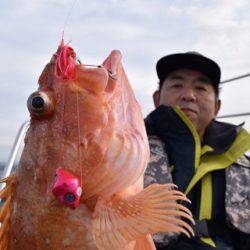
{"points": [[193, 92]]}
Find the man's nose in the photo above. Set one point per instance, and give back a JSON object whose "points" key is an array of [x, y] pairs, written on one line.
{"points": [[188, 95]]}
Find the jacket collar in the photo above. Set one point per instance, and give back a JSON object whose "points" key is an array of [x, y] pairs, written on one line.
{"points": [[218, 135]]}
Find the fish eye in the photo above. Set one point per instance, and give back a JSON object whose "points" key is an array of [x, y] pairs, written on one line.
{"points": [[41, 104], [37, 102]]}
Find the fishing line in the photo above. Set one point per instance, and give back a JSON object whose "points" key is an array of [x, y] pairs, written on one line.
{"points": [[62, 127], [62, 122], [68, 16], [79, 135]]}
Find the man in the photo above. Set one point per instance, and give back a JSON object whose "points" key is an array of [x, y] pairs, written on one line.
{"points": [[203, 157]]}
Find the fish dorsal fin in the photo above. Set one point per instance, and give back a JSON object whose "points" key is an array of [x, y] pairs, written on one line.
{"points": [[118, 221]]}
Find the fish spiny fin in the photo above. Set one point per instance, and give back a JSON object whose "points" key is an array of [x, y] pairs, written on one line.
{"points": [[120, 221], [8, 179], [5, 195]]}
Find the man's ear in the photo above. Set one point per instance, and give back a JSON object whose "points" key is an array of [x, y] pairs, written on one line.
{"points": [[217, 106], [156, 97]]}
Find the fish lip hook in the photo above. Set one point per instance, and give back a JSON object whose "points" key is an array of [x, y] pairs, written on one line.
{"points": [[79, 60], [110, 73]]}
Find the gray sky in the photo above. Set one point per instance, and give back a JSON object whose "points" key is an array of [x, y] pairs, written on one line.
{"points": [[144, 31]]}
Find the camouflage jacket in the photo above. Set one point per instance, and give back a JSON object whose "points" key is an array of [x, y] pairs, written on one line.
{"points": [[237, 193]]}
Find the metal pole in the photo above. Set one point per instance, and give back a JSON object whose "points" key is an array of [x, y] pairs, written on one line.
{"points": [[233, 115], [18, 140], [230, 80], [235, 78]]}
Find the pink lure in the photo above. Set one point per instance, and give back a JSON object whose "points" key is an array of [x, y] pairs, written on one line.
{"points": [[67, 188]]}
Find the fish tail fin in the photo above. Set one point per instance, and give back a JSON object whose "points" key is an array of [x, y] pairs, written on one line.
{"points": [[155, 209], [5, 195]]}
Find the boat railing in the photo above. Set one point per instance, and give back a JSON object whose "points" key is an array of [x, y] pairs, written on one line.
{"points": [[14, 151]]}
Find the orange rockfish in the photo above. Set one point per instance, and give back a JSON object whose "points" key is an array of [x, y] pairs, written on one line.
{"points": [[87, 128]]}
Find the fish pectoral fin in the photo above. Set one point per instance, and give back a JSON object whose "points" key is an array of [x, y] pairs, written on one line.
{"points": [[155, 209], [5, 195], [145, 243]]}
